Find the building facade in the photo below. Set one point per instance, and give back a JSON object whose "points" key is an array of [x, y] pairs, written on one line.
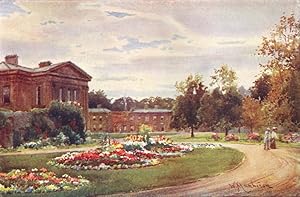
{"points": [[23, 88], [104, 120]]}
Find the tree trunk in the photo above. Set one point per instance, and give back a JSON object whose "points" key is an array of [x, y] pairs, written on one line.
{"points": [[226, 131], [192, 132]]}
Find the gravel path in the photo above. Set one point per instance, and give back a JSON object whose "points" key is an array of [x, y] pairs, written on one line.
{"points": [[262, 173]]}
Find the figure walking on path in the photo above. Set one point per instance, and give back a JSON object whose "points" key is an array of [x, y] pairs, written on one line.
{"points": [[267, 139], [273, 138]]}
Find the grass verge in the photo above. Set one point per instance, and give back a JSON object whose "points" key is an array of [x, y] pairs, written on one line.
{"points": [[173, 171]]}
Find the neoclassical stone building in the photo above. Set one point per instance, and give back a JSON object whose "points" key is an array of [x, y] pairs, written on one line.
{"points": [[22, 88]]}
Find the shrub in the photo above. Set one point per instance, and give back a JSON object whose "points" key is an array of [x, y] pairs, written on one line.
{"points": [[68, 117], [16, 138], [3, 119], [30, 134], [41, 122], [69, 136], [215, 136]]}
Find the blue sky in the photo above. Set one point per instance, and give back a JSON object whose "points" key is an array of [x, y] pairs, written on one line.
{"points": [[141, 48]]}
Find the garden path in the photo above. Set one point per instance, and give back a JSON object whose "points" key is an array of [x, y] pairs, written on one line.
{"points": [[262, 173]]}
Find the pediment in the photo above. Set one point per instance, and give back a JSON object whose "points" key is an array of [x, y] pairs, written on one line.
{"points": [[70, 70]]}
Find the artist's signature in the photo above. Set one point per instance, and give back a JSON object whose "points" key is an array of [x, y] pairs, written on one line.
{"points": [[247, 187]]}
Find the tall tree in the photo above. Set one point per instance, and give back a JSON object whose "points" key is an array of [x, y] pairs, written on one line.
{"points": [[210, 111], [262, 87], [252, 113], [225, 78], [230, 106], [281, 48], [99, 98], [187, 103], [294, 91]]}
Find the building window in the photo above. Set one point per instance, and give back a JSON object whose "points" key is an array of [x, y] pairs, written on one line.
{"points": [[6, 94], [162, 118], [60, 98], [75, 95], [147, 118], [131, 118], [125, 128], [94, 117], [100, 118], [94, 127], [38, 96], [154, 117], [139, 118], [162, 128], [69, 95], [131, 128], [100, 127]]}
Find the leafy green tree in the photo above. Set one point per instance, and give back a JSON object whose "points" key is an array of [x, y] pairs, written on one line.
{"points": [[97, 98], [124, 104], [152, 102], [210, 111], [231, 110], [187, 103], [224, 78]]}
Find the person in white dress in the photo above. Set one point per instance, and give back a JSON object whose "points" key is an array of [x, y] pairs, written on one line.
{"points": [[267, 139]]}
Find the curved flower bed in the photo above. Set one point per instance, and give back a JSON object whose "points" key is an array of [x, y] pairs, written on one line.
{"points": [[38, 181], [103, 160], [135, 152]]}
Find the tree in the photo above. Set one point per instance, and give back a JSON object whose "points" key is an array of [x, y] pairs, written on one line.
{"points": [[252, 113], [230, 104], [294, 92], [210, 111], [152, 102], [231, 110], [225, 78], [262, 87], [124, 104], [187, 103], [281, 48], [98, 98]]}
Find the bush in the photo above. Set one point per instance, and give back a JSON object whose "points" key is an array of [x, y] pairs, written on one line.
{"points": [[68, 136], [67, 117], [16, 138], [30, 134], [41, 122], [3, 119]]}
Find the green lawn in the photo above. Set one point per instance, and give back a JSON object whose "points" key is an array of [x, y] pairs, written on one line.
{"points": [[206, 137], [191, 167]]}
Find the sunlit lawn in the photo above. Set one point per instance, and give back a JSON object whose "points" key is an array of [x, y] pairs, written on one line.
{"points": [[206, 137], [191, 167]]}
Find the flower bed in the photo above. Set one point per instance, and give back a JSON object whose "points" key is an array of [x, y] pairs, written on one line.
{"points": [[38, 181], [254, 136], [103, 160], [291, 138], [135, 152]]}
